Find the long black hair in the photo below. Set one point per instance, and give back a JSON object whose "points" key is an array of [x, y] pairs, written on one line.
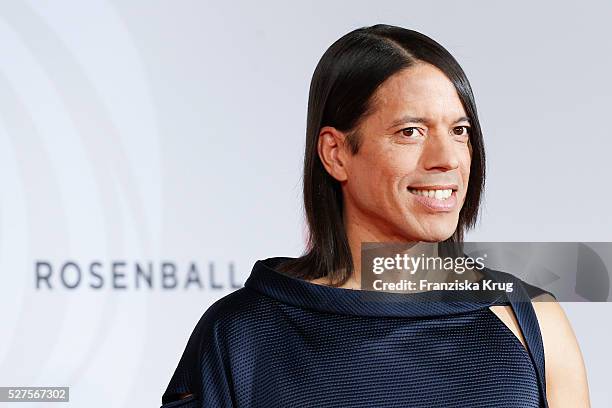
{"points": [[341, 90]]}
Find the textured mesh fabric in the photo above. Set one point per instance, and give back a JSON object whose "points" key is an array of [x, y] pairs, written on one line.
{"points": [[284, 342]]}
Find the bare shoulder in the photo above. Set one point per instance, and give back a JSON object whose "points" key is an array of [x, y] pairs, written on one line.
{"points": [[566, 379]]}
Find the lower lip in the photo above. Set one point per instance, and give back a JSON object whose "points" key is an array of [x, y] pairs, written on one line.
{"points": [[436, 205]]}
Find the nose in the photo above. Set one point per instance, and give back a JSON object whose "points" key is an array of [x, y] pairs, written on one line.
{"points": [[440, 152]]}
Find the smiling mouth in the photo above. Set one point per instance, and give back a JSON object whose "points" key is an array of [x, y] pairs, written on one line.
{"points": [[441, 193]]}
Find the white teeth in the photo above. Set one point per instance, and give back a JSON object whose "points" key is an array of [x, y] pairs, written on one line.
{"points": [[437, 194]]}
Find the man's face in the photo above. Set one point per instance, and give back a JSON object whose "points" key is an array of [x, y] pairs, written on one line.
{"points": [[409, 179]]}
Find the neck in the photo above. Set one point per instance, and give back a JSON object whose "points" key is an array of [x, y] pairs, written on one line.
{"points": [[378, 235], [361, 229]]}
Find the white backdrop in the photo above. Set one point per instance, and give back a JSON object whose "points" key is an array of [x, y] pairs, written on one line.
{"points": [[169, 135]]}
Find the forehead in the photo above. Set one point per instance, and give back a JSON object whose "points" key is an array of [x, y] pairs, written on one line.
{"points": [[420, 90]]}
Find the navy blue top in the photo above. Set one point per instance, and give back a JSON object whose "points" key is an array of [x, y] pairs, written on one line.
{"points": [[284, 342]]}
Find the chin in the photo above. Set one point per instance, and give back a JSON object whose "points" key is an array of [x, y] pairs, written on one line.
{"points": [[437, 234], [438, 238]]}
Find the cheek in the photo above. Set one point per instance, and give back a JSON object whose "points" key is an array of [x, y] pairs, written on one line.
{"points": [[376, 179], [465, 166], [390, 170], [466, 162], [365, 178]]}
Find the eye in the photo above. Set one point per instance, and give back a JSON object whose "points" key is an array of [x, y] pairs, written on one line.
{"points": [[461, 130], [410, 132]]}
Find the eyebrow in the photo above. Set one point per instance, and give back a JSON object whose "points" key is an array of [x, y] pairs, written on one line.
{"points": [[415, 119]]}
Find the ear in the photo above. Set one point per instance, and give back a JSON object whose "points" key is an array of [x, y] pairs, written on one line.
{"points": [[333, 152]]}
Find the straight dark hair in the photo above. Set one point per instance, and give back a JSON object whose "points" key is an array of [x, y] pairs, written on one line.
{"points": [[341, 91]]}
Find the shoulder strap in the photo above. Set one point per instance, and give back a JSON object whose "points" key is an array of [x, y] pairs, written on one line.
{"points": [[528, 323]]}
